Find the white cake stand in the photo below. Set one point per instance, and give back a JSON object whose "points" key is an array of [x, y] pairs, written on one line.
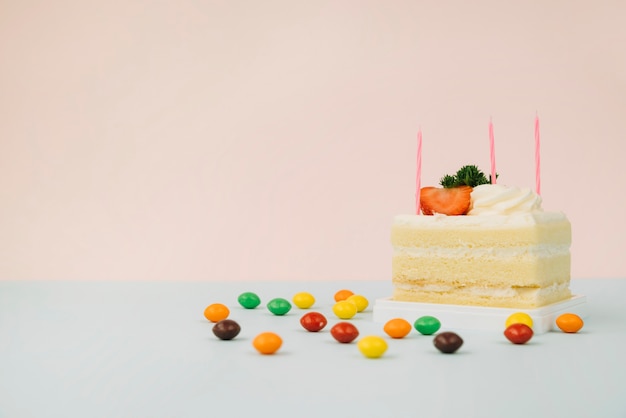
{"points": [[480, 318]]}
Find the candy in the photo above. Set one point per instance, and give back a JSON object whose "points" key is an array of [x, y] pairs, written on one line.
{"points": [[360, 301], [249, 300], [279, 306], [216, 312], [344, 332], [313, 321], [267, 342], [447, 342], [397, 328], [518, 333], [343, 294], [344, 309], [226, 329], [427, 325], [372, 346], [519, 318], [303, 300], [569, 322]]}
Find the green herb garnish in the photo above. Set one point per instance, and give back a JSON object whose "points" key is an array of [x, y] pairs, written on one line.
{"points": [[468, 175]]}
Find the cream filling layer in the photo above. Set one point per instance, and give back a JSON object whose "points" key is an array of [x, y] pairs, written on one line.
{"points": [[535, 251], [498, 292]]}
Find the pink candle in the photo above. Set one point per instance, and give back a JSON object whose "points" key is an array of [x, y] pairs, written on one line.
{"points": [[537, 157], [492, 151], [419, 171]]}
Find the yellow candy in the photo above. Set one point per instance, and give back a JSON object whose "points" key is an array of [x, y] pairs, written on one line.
{"points": [[303, 300], [519, 318], [344, 309], [360, 301], [372, 346]]}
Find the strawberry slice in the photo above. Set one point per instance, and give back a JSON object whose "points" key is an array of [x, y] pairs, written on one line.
{"points": [[447, 201]]}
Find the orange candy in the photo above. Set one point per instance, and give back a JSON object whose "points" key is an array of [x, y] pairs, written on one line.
{"points": [[397, 328], [343, 294], [267, 342], [216, 312], [569, 322]]}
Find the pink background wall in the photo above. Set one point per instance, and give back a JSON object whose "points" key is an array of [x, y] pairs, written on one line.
{"points": [[211, 140]]}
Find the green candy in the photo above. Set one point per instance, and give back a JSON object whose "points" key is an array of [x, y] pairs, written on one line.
{"points": [[249, 300], [427, 325], [279, 306]]}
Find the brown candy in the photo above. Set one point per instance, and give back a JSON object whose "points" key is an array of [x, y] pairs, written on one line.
{"points": [[448, 342], [226, 329]]}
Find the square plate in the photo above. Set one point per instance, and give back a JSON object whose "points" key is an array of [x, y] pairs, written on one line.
{"points": [[481, 318]]}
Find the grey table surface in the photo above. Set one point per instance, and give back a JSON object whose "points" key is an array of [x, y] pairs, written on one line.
{"points": [[144, 349]]}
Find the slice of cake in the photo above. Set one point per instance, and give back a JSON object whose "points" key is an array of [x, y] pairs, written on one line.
{"points": [[503, 252]]}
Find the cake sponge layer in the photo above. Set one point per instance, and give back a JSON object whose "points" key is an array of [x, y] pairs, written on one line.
{"points": [[489, 270], [520, 297], [498, 231]]}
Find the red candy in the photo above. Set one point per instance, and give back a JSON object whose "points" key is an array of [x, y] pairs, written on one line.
{"points": [[344, 332], [518, 333], [313, 321]]}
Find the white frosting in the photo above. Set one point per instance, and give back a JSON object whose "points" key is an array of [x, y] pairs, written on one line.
{"points": [[483, 221], [495, 199]]}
